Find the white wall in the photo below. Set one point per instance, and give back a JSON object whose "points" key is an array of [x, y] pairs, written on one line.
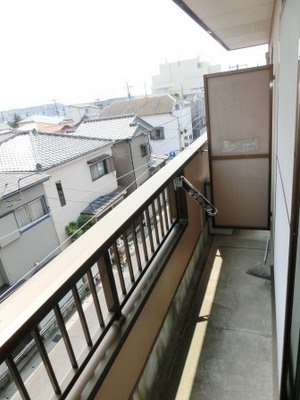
{"points": [[184, 77], [284, 154], [172, 124], [79, 190], [77, 112], [19, 251]]}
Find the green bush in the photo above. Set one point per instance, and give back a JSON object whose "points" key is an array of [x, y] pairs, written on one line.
{"points": [[77, 228]]}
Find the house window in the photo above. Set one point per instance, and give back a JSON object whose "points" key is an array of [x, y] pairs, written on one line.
{"points": [[157, 133], [144, 150], [31, 213], [97, 170], [101, 166], [60, 193]]}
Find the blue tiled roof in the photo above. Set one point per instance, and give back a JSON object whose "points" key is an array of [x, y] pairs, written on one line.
{"points": [[104, 201], [28, 151]]}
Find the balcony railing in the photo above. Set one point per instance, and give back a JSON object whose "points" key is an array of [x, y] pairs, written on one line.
{"points": [[78, 305]]}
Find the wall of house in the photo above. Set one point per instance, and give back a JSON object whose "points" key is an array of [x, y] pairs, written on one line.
{"points": [[79, 190], [140, 162], [76, 112], [172, 124], [124, 165], [131, 168], [284, 49], [20, 251]]}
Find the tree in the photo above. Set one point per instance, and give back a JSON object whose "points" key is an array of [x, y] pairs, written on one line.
{"points": [[15, 122], [79, 227]]}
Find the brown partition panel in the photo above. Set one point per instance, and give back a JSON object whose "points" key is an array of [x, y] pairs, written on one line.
{"points": [[238, 105], [240, 193]]}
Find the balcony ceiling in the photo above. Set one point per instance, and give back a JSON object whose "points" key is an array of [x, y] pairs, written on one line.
{"points": [[233, 23]]}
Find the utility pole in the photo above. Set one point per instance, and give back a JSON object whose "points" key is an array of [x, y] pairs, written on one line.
{"points": [[128, 91], [56, 109]]}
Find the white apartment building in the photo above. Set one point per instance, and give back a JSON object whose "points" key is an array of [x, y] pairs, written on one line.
{"points": [[183, 77]]}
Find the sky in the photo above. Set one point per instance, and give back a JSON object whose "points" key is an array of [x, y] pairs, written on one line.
{"points": [[74, 51]]}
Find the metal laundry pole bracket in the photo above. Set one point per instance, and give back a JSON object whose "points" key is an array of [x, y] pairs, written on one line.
{"points": [[182, 182]]}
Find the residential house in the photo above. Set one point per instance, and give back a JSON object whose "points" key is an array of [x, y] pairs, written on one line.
{"points": [[28, 238], [171, 120], [131, 150], [80, 170], [78, 111], [44, 123]]}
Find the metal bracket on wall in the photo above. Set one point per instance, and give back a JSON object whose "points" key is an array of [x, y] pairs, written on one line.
{"points": [[182, 182]]}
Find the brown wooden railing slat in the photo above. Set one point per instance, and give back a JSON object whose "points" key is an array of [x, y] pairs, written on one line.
{"points": [[95, 298], [149, 227], [17, 378], [46, 360], [82, 316], [143, 238], [65, 336]]}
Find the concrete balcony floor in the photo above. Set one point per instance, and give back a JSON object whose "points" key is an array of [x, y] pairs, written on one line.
{"points": [[225, 351]]}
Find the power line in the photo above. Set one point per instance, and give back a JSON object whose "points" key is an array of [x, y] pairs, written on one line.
{"points": [[30, 273]]}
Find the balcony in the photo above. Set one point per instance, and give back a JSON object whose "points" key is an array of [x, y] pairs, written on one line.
{"points": [[101, 319]]}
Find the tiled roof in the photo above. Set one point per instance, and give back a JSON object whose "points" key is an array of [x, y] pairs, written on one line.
{"points": [[6, 135], [11, 183], [45, 119], [42, 127], [28, 151], [157, 160], [115, 128], [105, 201], [84, 105], [141, 107]]}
